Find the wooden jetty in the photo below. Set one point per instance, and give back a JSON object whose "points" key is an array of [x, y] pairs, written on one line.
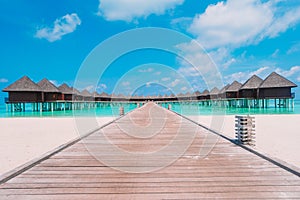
{"points": [[228, 171]]}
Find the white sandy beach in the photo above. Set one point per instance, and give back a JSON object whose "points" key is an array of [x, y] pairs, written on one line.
{"points": [[276, 135], [24, 139]]}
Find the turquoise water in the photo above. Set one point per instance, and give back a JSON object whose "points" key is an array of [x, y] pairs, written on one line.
{"points": [[109, 110], [185, 108], [195, 108]]}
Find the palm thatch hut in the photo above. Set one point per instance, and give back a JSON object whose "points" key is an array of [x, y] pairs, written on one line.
{"points": [[222, 92], [204, 95], [50, 91], [250, 88], [66, 92], [77, 96], [232, 92], [24, 90], [86, 95], [276, 86], [103, 97], [214, 93], [95, 94]]}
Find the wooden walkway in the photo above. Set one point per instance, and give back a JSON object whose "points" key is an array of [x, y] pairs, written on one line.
{"points": [[229, 171]]}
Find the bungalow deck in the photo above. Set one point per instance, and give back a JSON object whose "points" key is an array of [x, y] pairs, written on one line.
{"points": [[228, 171]]}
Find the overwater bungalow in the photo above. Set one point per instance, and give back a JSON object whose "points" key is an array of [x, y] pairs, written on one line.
{"points": [[103, 97], [77, 96], [66, 93], [222, 92], [276, 86], [50, 91], [232, 92], [24, 90], [214, 93], [250, 88], [95, 95], [197, 93], [205, 95], [86, 95]]}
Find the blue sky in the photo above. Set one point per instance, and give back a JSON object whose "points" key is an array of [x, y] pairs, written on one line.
{"points": [[52, 39]]}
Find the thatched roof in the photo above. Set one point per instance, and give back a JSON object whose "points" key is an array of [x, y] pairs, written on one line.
{"points": [[65, 89], [24, 84], [103, 94], [274, 80], [75, 91], [188, 94], [121, 95], [95, 94], [85, 93], [223, 90], [234, 87], [47, 86], [252, 83], [197, 93], [205, 93], [214, 91]]}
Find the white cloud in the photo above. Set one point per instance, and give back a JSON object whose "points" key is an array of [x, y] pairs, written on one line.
{"points": [[54, 82], [166, 79], [199, 60], [184, 89], [148, 84], [243, 76], [146, 70], [288, 73], [175, 83], [221, 57], [298, 79], [237, 23], [62, 26], [281, 23], [294, 48], [90, 88], [102, 86], [275, 53], [128, 10], [157, 73], [3, 80], [126, 83]]}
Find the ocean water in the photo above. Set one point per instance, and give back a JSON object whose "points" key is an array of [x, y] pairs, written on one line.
{"points": [[194, 108], [184, 108], [108, 110]]}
